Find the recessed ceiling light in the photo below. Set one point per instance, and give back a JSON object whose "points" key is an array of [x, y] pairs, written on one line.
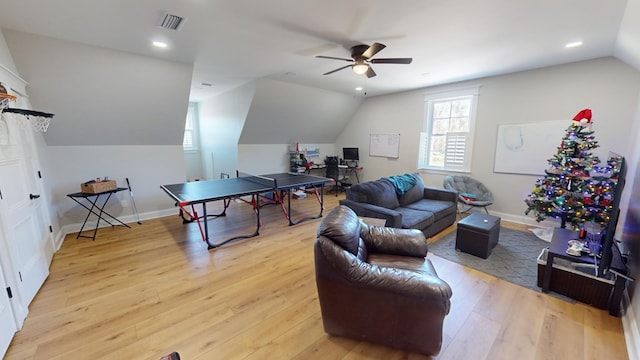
{"points": [[159, 44], [573, 44], [359, 88]]}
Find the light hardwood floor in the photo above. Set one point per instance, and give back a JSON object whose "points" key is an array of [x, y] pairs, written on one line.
{"points": [[144, 292]]}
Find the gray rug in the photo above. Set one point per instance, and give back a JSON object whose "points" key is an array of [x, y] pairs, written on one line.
{"points": [[514, 259]]}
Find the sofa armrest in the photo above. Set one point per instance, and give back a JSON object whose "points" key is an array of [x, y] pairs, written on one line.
{"points": [[393, 218], [440, 194], [387, 240]]}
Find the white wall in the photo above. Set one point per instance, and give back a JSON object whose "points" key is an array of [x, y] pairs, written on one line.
{"points": [[607, 86], [193, 165], [102, 96], [283, 113], [5, 56], [147, 167], [627, 46], [274, 158], [221, 120]]}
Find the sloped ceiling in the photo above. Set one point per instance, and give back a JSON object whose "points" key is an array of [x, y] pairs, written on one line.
{"points": [[627, 46], [112, 88], [283, 113], [101, 96], [231, 43]]}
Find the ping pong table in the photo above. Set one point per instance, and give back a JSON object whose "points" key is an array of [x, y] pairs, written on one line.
{"points": [[256, 187]]}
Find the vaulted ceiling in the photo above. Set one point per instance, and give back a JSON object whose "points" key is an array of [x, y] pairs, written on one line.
{"points": [[230, 43]]}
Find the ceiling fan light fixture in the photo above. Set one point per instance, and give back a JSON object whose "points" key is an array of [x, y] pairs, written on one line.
{"points": [[360, 68]]}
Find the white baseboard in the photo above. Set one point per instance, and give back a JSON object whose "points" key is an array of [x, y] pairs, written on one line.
{"points": [[526, 220], [127, 219], [630, 327]]}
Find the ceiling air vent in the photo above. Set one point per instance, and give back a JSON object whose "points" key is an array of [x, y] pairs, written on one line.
{"points": [[170, 21]]}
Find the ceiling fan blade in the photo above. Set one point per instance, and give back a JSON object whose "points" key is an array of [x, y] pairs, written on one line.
{"points": [[372, 50], [370, 73], [333, 58], [391, 61], [338, 69]]}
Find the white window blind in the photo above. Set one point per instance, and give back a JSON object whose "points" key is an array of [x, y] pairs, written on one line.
{"points": [[190, 139], [447, 140], [454, 156]]}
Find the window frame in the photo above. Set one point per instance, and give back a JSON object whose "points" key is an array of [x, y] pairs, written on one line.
{"points": [[430, 98], [192, 114]]}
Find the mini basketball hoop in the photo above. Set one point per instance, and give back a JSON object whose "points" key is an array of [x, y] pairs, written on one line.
{"points": [[5, 99], [39, 120]]}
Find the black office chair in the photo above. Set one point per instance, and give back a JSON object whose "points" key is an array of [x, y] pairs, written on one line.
{"points": [[332, 171]]}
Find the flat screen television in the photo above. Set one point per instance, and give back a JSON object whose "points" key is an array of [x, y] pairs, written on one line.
{"points": [[350, 154], [607, 241]]}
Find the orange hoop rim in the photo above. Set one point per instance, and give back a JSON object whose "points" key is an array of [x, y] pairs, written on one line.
{"points": [[7, 97]]}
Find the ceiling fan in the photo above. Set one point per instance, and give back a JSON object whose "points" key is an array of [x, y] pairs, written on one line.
{"points": [[362, 58]]}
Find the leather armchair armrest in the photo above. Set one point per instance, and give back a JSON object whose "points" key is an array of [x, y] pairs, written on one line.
{"points": [[393, 218], [440, 194], [419, 285], [387, 240]]}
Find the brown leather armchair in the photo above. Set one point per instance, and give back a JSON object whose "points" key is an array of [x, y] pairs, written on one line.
{"points": [[376, 284]]}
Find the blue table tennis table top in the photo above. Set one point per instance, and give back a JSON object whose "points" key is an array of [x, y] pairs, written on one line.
{"points": [[211, 190]]}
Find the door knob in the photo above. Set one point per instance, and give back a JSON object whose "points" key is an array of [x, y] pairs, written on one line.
{"points": [[31, 196]]}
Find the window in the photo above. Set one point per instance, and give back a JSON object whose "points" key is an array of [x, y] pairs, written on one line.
{"points": [[190, 140], [447, 140]]}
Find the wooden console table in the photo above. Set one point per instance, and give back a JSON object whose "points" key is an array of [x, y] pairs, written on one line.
{"points": [[558, 248]]}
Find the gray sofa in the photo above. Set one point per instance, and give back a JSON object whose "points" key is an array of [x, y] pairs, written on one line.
{"points": [[418, 207]]}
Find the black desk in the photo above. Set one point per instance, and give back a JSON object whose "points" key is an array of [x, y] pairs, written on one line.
{"points": [[345, 169], [558, 248], [96, 208]]}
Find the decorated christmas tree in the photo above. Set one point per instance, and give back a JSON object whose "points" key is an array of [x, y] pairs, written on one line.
{"points": [[575, 189]]}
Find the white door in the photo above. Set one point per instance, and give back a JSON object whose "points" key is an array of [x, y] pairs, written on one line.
{"points": [[7, 323], [22, 233]]}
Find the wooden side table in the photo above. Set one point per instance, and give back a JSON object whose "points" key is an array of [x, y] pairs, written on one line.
{"points": [[558, 248]]}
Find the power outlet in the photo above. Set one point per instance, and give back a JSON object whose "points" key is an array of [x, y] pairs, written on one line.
{"points": [[124, 203]]}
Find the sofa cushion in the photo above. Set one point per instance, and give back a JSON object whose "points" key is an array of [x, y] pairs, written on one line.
{"points": [[439, 208], [379, 192], [414, 194], [415, 219]]}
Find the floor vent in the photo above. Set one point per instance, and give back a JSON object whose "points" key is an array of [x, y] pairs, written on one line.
{"points": [[171, 22]]}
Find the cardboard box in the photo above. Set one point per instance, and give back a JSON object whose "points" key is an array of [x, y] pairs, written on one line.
{"points": [[98, 187], [569, 280]]}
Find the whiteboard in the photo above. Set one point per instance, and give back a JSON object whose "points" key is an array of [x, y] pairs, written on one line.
{"points": [[525, 148], [385, 145]]}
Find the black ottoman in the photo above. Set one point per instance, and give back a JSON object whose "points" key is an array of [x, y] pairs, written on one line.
{"points": [[478, 234]]}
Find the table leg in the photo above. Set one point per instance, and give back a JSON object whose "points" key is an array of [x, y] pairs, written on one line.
{"points": [[546, 281], [256, 208], [94, 205], [616, 296], [320, 199], [289, 207], [86, 217]]}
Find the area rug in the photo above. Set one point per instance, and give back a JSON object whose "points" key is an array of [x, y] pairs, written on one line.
{"points": [[514, 258]]}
